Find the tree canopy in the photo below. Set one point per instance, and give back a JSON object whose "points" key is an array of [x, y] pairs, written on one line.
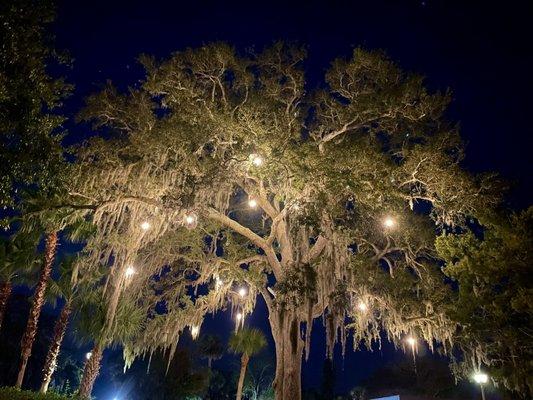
{"points": [[225, 176]]}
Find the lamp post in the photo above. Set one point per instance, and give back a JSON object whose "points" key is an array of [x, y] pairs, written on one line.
{"points": [[481, 378]]}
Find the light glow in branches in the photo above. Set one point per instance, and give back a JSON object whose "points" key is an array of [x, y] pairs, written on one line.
{"points": [[252, 203], [256, 160], [145, 225], [389, 222]]}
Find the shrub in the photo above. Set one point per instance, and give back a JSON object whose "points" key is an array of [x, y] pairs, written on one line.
{"points": [[10, 393]]}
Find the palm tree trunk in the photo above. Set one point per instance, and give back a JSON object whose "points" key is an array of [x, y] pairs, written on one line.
{"points": [[5, 292], [38, 302], [90, 372], [244, 365], [51, 358]]}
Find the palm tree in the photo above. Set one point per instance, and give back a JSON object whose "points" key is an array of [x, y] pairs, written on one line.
{"points": [[91, 325], [246, 342], [211, 348], [38, 301], [68, 287], [17, 259]]}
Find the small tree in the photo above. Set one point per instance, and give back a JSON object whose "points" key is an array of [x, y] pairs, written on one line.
{"points": [[246, 342], [211, 347]]}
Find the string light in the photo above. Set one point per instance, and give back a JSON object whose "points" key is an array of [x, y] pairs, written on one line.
{"points": [[389, 222], [190, 220], [145, 225], [252, 203], [218, 283], [481, 377], [256, 160], [195, 331], [362, 306], [242, 292], [130, 271]]}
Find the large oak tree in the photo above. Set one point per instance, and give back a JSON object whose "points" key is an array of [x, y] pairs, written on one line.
{"points": [[223, 172]]}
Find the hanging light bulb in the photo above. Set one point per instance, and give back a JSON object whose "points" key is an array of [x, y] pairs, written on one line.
{"points": [[238, 317], [190, 220], [195, 331], [218, 283], [389, 222], [242, 292], [145, 225], [252, 203], [88, 355], [362, 306], [130, 271], [256, 160], [411, 341]]}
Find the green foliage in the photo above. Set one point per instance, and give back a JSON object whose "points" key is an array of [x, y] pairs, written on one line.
{"points": [[247, 341], [494, 302], [8, 393], [30, 148], [18, 258]]}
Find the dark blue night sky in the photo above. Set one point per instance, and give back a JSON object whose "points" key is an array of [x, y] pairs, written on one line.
{"points": [[480, 50]]}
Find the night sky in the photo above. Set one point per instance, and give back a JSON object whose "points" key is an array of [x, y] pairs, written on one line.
{"points": [[481, 50]]}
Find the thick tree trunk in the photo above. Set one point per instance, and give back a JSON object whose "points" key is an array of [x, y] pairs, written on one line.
{"points": [[5, 292], [90, 372], [244, 365], [38, 301], [285, 327], [51, 358]]}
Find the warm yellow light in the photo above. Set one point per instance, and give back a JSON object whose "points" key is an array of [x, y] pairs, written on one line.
{"points": [[130, 271], [411, 341], [480, 377], [218, 283], [195, 331], [238, 317], [190, 220], [256, 160], [389, 222], [242, 292], [145, 225], [252, 203], [362, 306], [88, 355]]}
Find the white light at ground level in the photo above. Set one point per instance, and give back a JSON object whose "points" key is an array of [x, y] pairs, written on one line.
{"points": [[252, 203], [242, 292], [362, 306], [130, 271], [256, 160], [480, 377], [411, 341], [389, 222], [145, 225], [88, 355]]}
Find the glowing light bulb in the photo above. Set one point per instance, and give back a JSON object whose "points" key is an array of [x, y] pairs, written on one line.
{"points": [[218, 282], [411, 341], [256, 160], [238, 317], [389, 222], [362, 306], [480, 377], [252, 203], [242, 292], [130, 271], [190, 220], [145, 225], [195, 331], [88, 355]]}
